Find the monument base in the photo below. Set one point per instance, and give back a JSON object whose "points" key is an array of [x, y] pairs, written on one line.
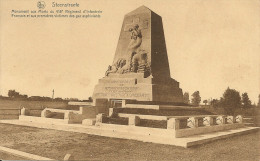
{"points": [[133, 86]]}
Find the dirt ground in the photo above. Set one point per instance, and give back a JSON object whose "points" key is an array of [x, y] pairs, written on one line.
{"points": [[56, 144]]}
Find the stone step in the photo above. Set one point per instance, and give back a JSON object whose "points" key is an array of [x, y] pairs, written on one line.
{"points": [[117, 120], [156, 117], [112, 131], [8, 117], [249, 124], [248, 118], [161, 121], [43, 120], [147, 117], [176, 112], [89, 122], [138, 130], [61, 110], [156, 107], [159, 107], [178, 133], [248, 121], [162, 124], [80, 103], [74, 116], [9, 111]]}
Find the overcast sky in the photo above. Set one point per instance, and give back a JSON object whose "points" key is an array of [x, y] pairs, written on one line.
{"points": [[211, 45]]}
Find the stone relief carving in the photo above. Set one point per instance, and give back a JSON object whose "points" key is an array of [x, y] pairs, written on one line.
{"points": [[137, 58], [139, 62], [116, 67]]}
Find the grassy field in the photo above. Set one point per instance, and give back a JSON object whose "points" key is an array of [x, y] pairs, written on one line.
{"points": [[7, 156], [55, 144], [12, 104], [10, 109]]}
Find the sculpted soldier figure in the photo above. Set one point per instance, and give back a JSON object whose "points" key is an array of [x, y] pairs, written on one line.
{"points": [[136, 32], [133, 47]]}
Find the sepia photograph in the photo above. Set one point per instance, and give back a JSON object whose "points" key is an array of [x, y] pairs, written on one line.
{"points": [[130, 80]]}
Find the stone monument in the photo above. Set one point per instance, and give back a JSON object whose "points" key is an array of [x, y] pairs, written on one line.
{"points": [[151, 107], [140, 70]]}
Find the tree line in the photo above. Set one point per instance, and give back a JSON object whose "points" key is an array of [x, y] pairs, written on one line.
{"points": [[14, 95], [230, 101]]}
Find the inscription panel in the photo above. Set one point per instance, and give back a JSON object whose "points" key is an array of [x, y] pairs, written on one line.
{"points": [[118, 81], [121, 89], [143, 96], [142, 92]]}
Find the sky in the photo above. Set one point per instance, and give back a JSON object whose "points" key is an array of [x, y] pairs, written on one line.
{"points": [[211, 45]]}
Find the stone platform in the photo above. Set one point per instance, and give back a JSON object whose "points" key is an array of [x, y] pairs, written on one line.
{"points": [[64, 116], [112, 132], [159, 107], [148, 125]]}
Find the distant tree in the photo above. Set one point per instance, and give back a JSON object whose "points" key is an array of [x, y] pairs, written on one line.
{"points": [[46, 98], [13, 94], [258, 104], [230, 101], [214, 103], [58, 99], [246, 103], [196, 98], [90, 99], [72, 99], [205, 101], [186, 98], [23, 96], [39, 98], [35, 98]]}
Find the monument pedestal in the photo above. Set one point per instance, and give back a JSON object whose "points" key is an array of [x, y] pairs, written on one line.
{"points": [[133, 86]]}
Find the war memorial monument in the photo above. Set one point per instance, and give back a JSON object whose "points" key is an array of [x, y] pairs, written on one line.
{"points": [[137, 98], [140, 70]]}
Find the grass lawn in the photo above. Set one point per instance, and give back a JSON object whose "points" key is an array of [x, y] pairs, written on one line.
{"points": [[56, 144], [7, 156]]}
